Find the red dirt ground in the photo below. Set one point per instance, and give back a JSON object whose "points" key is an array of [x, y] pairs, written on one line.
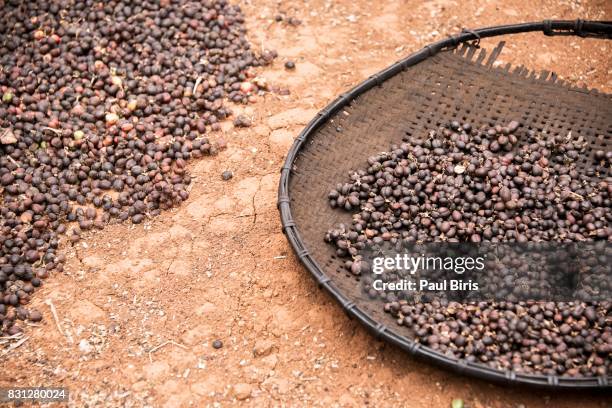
{"points": [[139, 306]]}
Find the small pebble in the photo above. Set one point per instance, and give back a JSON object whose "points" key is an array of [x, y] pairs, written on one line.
{"points": [[457, 403], [242, 121]]}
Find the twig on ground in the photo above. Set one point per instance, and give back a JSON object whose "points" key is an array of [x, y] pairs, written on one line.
{"points": [[165, 343], [7, 339], [55, 317], [56, 131], [14, 346], [13, 161], [195, 86]]}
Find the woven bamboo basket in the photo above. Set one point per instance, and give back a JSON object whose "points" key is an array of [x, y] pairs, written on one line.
{"points": [[452, 79]]}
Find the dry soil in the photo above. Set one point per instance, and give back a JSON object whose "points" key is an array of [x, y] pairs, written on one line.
{"points": [[138, 306]]}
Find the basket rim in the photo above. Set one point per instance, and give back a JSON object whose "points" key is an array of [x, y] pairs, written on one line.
{"points": [[582, 28]]}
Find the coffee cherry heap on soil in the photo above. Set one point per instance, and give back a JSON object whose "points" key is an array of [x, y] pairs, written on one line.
{"points": [[461, 184], [102, 103]]}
